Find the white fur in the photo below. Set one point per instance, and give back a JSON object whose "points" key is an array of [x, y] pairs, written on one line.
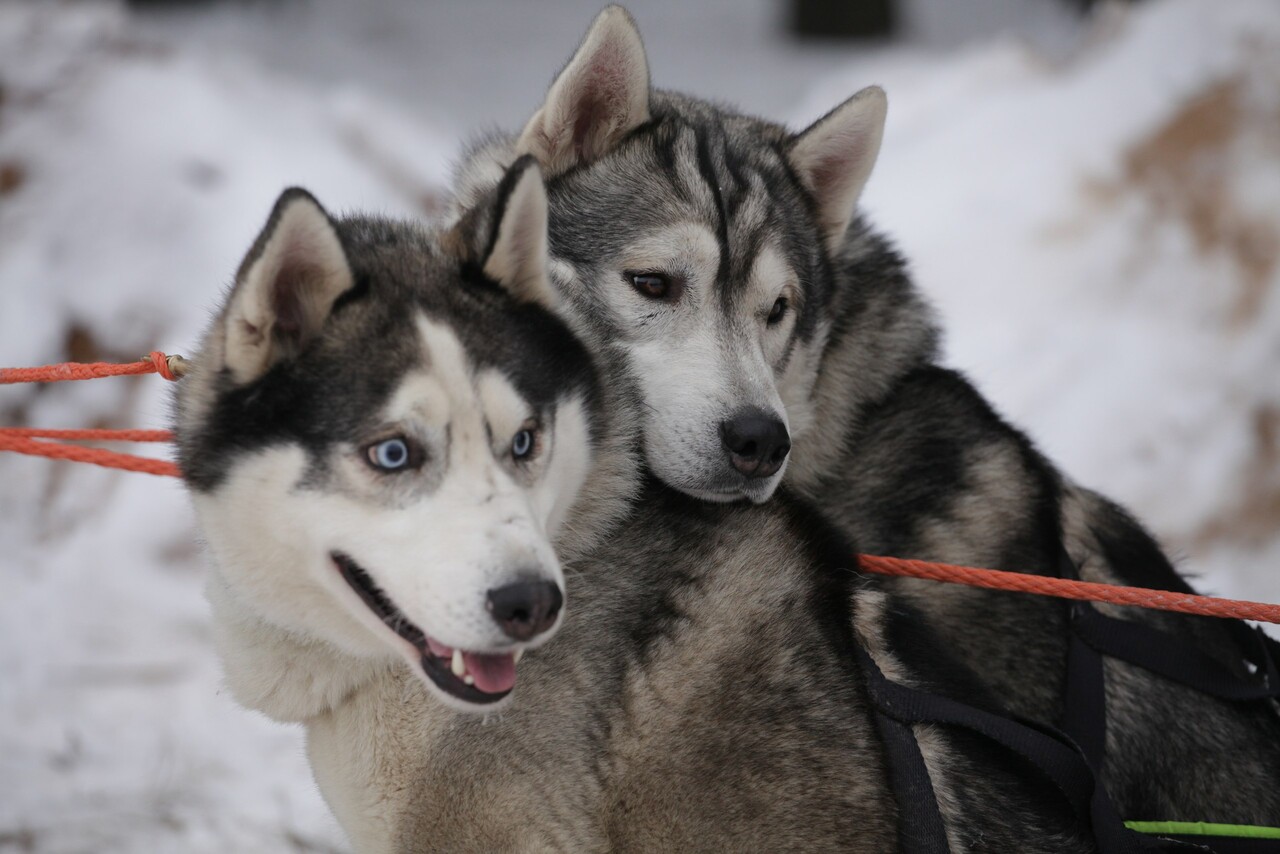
{"points": [[834, 157], [602, 94]]}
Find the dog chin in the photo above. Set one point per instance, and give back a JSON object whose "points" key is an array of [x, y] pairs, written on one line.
{"points": [[755, 493]]}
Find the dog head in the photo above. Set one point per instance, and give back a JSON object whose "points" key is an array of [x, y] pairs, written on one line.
{"points": [[695, 246], [384, 429]]}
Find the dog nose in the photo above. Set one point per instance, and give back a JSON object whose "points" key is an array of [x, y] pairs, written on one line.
{"points": [[526, 608], [757, 442]]}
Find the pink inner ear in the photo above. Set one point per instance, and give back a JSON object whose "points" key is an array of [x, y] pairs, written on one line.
{"points": [[589, 113], [836, 167], [602, 108], [288, 299]]}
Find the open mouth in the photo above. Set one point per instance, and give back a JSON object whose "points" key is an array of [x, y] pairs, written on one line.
{"points": [[475, 677]]}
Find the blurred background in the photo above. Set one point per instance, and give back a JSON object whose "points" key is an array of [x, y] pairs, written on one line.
{"points": [[1089, 193]]}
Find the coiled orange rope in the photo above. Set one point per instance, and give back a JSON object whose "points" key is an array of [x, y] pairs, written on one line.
{"points": [[27, 440]]}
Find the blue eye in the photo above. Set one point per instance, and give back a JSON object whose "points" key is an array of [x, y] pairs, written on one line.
{"points": [[389, 454], [522, 444]]}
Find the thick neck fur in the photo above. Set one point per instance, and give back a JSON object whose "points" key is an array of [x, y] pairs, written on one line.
{"points": [[611, 487], [882, 329]]}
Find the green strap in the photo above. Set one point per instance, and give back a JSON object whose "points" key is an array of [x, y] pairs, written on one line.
{"points": [[1203, 828]]}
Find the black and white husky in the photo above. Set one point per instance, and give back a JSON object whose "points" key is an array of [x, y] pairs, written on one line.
{"points": [[389, 438], [393, 493], [777, 339]]}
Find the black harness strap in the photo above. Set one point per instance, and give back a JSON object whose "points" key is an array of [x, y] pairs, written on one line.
{"points": [[922, 829], [1084, 702], [1094, 635], [1176, 659]]}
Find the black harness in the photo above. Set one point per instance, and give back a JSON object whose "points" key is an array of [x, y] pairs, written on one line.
{"points": [[1070, 759]]}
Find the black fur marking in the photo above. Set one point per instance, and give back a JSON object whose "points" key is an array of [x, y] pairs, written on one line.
{"points": [[708, 171], [334, 389], [503, 197]]}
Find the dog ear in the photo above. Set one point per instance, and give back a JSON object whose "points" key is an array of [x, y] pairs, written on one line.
{"points": [[516, 257], [599, 97], [285, 287], [834, 156]]}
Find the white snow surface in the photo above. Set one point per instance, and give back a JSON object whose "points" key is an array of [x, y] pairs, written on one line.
{"points": [[1107, 276]]}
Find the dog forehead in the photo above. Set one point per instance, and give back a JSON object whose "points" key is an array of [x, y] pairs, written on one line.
{"points": [[445, 380], [686, 242], [453, 378], [505, 408], [420, 397], [770, 272]]}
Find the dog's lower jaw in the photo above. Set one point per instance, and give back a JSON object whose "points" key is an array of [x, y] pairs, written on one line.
{"points": [[755, 494]]}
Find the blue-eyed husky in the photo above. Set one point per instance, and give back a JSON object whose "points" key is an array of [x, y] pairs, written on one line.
{"points": [[776, 338], [391, 494]]}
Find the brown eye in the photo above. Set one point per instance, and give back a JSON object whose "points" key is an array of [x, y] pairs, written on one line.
{"points": [[778, 311], [657, 285]]}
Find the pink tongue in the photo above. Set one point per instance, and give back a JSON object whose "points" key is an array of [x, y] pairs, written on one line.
{"points": [[494, 674]]}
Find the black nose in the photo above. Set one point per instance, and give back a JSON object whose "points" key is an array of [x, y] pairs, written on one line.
{"points": [[526, 608], [757, 442]]}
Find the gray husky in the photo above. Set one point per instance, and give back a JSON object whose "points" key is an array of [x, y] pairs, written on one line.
{"points": [[385, 433], [776, 338]]}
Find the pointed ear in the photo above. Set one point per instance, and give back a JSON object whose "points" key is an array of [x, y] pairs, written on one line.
{"points": [[834, 156], [285, 287], [517, 253], [600, 96]]}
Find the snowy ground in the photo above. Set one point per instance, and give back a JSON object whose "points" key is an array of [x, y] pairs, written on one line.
{"points": [[1101, 230]]}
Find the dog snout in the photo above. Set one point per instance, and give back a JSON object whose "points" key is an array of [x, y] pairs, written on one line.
{"points": [[525, 609], [757, 442]]}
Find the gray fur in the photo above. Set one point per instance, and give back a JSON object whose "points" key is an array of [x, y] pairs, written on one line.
{"points": [[905, 456]]}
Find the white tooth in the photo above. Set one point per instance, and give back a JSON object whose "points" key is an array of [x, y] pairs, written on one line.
{"points": [[457, 666], [516, 658], [469, 679]]}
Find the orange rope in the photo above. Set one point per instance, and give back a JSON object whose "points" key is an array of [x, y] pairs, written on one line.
{"points": [[90, 435], [97, 456], [25, 440], [155, 363], [1067, 588]]}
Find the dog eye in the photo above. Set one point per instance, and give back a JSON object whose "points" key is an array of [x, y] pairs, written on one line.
{"points": [[657, 285], [392, 454], [522, 445], [778, 311]]}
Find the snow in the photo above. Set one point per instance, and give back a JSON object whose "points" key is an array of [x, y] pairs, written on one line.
{"points": [[1116, 292]]}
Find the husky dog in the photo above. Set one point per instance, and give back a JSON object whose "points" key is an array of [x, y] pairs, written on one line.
{"points": [[392, 493], [385, 432], [719, 260]]}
